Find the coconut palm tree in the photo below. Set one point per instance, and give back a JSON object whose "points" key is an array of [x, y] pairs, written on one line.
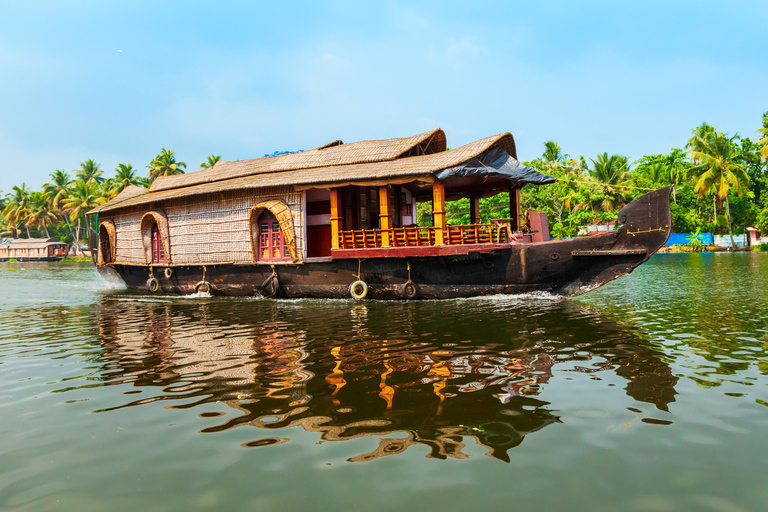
{"points": [[553, 153], [125, 176], [90, 170], [84, 196], [165, 164], [715, 171], [41, 212], [764, 140], [58, 190], [16, 208], [610, 172], [210, 162]]}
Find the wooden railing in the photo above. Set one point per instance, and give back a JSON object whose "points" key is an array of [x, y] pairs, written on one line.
{"points": [[425, 236]]}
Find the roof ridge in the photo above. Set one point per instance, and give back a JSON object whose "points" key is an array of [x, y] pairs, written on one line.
{"points": [[364, 151]]}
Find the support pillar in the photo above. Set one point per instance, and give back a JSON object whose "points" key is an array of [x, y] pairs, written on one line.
{"points": [[514, 208], [438, 211], [385, 216], [335, 218], [474, 209]]}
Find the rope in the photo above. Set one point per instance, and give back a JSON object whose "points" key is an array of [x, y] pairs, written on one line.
{"points": [[649, 230], [359, 263], [597, 184], [204, 271], [409, 273]]}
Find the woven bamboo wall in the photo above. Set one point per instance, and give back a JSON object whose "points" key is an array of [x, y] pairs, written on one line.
{"points": [[208, 229]]}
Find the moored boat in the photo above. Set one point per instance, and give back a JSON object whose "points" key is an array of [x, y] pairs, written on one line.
{"points": [[32, 249], [340, 221]]}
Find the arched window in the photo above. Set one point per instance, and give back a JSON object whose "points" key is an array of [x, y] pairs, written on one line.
{"points": [[106, 245], [272, 246], [158, 252]]}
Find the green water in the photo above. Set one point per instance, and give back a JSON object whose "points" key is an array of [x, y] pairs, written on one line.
{"points": [[650, 393]]}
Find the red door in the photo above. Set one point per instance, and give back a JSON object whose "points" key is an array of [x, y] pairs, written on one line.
{"points": [[158, 251], [271, 242]]}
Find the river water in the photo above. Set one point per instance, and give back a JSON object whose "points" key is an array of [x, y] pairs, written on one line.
{"points": [[650, 393]]}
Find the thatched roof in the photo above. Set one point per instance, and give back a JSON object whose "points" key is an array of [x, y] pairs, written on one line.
{"points": [[249, 174], [334, 153], [30, 243]]}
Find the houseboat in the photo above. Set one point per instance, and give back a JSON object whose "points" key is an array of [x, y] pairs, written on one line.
{"points": [[32, 249], [340, 220]]}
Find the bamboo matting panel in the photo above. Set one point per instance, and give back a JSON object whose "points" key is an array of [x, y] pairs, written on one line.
{"points": [[206, 230]]}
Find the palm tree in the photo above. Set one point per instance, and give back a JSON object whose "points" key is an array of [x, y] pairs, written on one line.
{"points": [[553, 153], [610, 173], [165, 164], [41, 212], [58, 190], [83, 197], [764, 141], [90, 170], [715, 171], [125, 176], [16, 209], [211, 161]]}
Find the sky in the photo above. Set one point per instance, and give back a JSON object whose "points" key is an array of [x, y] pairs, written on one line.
{"points": [[117, 81]]}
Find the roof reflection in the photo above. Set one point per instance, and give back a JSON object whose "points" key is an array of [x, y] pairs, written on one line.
{"points": [[438, 374]]}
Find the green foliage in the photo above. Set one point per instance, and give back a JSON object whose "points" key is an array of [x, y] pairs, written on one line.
{"points": [[693, 240], [210, 161], [165, 164]]}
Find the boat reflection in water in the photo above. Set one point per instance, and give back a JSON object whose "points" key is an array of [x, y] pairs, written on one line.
{"points": [[439, 374]]}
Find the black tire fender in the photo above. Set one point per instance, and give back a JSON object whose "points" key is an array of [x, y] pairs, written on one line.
{"points": [[153, 285], [410, 290], [271, 286], [204, 287]]}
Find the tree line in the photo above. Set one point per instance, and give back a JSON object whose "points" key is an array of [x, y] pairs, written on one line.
{"points": [[59, 208], [721, 185]]}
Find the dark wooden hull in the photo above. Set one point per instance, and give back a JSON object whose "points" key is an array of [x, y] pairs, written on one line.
{"points": [[567, 267]]}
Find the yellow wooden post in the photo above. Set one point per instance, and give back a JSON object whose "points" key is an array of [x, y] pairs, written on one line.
{"points": [[335, 218], [438, 211], [385, 216]]}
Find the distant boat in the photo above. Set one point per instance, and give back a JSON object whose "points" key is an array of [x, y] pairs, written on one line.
{"points": [[340, 220], [32, 249]]}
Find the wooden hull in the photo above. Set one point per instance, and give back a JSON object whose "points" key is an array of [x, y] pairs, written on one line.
{"points": [[567, 267]]}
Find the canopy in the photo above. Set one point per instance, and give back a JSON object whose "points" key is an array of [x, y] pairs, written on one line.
{"points": [[497, 163]]}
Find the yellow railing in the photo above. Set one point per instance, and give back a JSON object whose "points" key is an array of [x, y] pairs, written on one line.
{"points": [[425, 236]]}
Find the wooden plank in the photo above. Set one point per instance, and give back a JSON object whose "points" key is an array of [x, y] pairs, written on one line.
{"points": [[423, 251]]}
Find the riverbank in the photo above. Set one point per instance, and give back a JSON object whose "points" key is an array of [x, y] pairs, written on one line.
{"points": [[674, 249]]}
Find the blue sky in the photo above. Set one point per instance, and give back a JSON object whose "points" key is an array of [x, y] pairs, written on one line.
{"points": [[242, 79]]}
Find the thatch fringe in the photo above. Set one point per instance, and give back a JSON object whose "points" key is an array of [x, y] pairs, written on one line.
{"points": [[415, 168]]}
